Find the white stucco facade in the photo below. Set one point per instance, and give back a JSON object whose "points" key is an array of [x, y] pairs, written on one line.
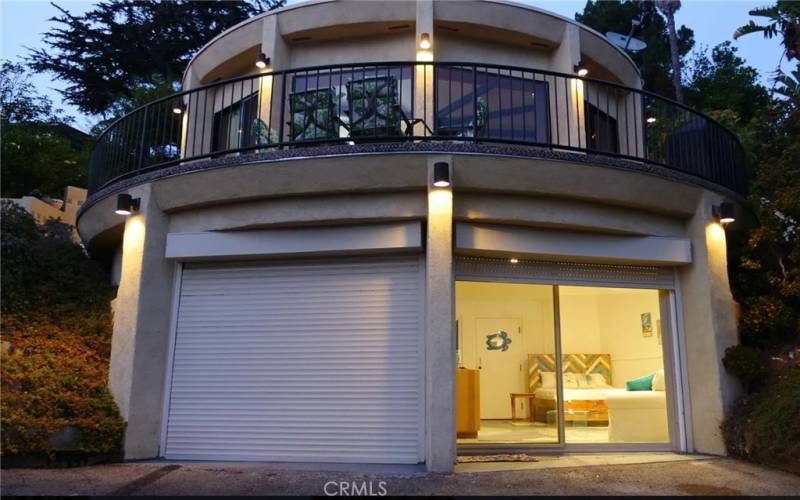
{"points": [[368, 204]]}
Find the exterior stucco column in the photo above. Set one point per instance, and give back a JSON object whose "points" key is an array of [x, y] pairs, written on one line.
{"points": [[571, 130], [424, 73], [273, 44], [141, 327], [440, 363], [710, 327]]}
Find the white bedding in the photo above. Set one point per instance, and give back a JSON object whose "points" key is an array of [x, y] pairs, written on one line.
{"points": [[578, 394]]}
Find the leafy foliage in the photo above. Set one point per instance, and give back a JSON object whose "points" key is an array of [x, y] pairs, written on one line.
{"points": [[52, 381], [783, 20], [654, 61], [746, 363], [123, 45], [722, 82], [765, 274], [39, 148], [764, 425], [56, 316]]}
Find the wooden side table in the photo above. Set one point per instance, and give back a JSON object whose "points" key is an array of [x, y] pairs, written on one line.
{"points": [[530, 397]]}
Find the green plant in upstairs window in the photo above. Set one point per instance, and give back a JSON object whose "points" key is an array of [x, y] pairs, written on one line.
{"points": [[497, 341]]}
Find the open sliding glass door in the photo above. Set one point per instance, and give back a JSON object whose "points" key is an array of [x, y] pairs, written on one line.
{"points": [[557, 349], [507, 392]]}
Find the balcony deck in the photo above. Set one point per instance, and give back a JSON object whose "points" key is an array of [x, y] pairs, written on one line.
{"points": [[412, 106]]}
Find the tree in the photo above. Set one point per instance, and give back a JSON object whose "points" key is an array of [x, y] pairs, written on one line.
{"points": [[654, 61], [784, 20], [765, 269], [725, 88], [119, 46], [38, 147], [669, 8], [766, 278]]}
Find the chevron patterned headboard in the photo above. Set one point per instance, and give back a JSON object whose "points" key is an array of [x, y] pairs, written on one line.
{"points": [[570, 363]]}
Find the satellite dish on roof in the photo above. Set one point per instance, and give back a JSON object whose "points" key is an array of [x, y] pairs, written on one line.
{"points": [[626, 42]]}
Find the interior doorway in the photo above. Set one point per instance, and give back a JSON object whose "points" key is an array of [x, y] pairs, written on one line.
{"points": [[498, 340]]}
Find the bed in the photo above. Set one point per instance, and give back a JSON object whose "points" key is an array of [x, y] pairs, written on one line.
{"points": [[587, 382]]}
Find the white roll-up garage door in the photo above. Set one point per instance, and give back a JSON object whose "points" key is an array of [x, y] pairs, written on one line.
{"points": [[298, 361]]}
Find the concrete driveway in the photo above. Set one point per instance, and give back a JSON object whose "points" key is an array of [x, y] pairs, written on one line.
{"points": [[614, 474]]}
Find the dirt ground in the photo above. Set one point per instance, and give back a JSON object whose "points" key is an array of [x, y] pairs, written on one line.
{"points": [[676, 475]]}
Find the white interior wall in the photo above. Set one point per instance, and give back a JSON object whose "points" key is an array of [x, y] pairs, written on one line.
{"points": [[531, 304], [608, 321], [632, 354], [580, 323]]}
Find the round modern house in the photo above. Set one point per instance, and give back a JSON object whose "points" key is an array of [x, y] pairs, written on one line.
{"points": [[394, 232]]}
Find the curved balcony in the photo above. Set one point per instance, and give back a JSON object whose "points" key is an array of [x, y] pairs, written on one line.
{"points": [[413, 103]]}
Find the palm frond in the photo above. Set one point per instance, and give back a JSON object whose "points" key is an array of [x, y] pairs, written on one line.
{"points": [[770, 12], [750, 27]]}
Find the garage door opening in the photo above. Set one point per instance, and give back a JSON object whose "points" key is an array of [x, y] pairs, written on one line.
{"points": [[298, 361]]}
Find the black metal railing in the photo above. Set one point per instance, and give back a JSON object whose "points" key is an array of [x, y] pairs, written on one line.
{"points": [[413, 102]]}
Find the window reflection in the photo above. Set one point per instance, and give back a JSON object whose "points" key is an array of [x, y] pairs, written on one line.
{"points": [[483, 104]]}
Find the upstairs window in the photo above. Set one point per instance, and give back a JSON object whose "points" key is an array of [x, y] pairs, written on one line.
{"points": [[236, 126], [602, 133]]}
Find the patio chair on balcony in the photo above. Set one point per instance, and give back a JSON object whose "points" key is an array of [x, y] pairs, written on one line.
{"points": [[476, 127], [411, 122], [373, 108], [313, 115]]}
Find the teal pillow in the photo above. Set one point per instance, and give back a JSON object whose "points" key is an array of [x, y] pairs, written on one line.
{"points": [[641, 384]]}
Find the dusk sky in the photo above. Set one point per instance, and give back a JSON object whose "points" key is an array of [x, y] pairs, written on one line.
{"points": [[713, 22]]}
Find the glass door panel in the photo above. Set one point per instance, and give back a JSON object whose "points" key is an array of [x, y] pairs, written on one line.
{"points": [[506, 349], [613, 377]]}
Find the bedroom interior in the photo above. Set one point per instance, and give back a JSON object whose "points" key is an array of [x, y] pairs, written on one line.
{"points": [[612, 364]]}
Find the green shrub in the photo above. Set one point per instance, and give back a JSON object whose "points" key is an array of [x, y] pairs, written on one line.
{"points": [[745, 363], [765, 426], [53, 380], [56, 316]]}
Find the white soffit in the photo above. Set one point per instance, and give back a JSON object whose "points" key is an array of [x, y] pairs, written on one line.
{"points": [[515, 241], [367, 238]]}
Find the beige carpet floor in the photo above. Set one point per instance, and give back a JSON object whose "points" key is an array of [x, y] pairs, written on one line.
{"points": [[503, 431]]}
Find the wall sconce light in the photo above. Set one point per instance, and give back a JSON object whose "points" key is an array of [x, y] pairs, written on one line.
{"points": [[177, 109], [441, 174], [425, 41], [127, 204], [580, 70], [724, 212], [651, 119], [262, 61]]}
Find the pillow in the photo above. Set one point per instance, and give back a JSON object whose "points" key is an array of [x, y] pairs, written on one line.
{"points": [[583, 381], [570, 381], [658, 381], [597, 381], [640, 384], [548, 380]]}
